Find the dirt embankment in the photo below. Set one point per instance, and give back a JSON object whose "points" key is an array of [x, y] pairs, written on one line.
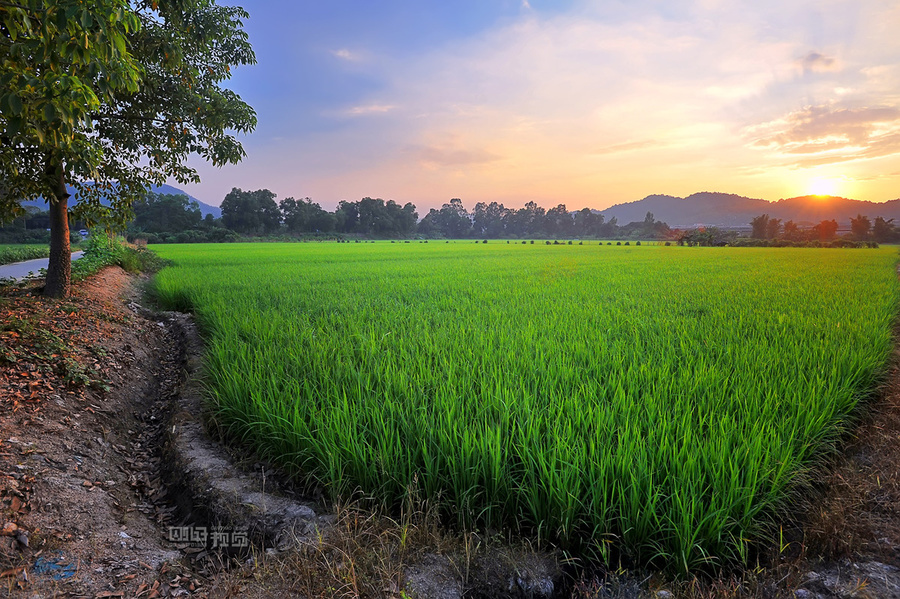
{"points": [[93, 397], [80, 381]]}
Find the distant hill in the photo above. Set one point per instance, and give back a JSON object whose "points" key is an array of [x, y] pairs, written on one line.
{"points": [[164, 189], [734, 211]]}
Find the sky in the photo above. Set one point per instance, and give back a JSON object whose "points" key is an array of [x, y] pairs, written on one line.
{"points": [[585, 103]]}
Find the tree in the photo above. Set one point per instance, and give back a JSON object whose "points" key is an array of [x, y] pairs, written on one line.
{"points": [[773, 228], [558, 221], [883, 230], [374, 216], [587, 223], [453, 220], [165, 213], [112, 96], [826, 230], [428, 225], [860, 227], [489, 220], [533, 218], [759, 226], [251, 212], [305, 216], [791, 231], [347, 216]]}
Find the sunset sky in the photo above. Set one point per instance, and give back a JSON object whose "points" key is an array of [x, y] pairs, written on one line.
{"points": [[586, 103]]}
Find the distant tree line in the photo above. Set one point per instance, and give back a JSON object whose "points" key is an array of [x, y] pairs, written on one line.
{"points": [[862, 229], [175, 218], [33, 226], [769, 231], [494, 220], [163, 218], [257, 213]]}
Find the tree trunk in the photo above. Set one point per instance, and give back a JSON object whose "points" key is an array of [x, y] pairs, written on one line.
{"points": [[59, 270]]}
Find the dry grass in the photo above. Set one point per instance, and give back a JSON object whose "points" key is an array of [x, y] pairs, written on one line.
{"points": [[857, 510]]}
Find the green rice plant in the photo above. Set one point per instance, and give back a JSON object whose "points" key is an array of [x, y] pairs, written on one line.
{"points": [[658, 401], [10, 253]]}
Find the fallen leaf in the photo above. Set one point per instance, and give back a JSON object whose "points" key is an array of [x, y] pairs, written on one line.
{"points": [[11, 572]]}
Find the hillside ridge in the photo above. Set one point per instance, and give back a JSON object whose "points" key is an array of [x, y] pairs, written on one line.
{"points": [[736, 211]]}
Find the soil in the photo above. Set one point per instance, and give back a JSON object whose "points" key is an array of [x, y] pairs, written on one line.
{"points": [[86, 403]]}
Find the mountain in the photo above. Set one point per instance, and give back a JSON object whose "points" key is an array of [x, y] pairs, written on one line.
{"points": [[163, 189], [734, 211]]}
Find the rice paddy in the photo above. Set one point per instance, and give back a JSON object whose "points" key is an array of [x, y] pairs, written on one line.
{"points": [[658, 402]]}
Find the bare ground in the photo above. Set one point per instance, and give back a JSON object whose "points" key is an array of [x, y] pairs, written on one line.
{"points": [[86, 386]]}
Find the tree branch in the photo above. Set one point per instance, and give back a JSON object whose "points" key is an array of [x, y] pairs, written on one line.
{"points": [[146, 119]]}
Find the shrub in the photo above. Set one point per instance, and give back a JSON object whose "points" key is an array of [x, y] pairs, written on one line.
{"points": [[103, 250]]}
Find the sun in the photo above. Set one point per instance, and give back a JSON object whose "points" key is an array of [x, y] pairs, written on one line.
{"points": [[823, 187]]}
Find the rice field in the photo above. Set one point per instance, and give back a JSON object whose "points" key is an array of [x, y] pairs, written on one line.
{"points": [[655, 402], [13, 252]]}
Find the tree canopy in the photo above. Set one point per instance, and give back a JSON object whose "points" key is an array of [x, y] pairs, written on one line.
{"points": [[251, 212], [112, 97]]}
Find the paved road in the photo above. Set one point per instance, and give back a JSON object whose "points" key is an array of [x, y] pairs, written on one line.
{"points": [[20, 270]]}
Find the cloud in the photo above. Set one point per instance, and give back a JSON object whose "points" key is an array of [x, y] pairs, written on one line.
{"points": [[368, 109], [345, 54], [436, 157], [826, 134], [839, 133], [818, 63], [627, 146], [598, 101]]}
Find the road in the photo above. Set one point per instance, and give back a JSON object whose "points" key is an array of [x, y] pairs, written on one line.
{"points": [[20, 270]]}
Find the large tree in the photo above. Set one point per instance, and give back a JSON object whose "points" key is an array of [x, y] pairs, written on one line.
{"points": [[883, 230], [111, 97], [251, 212], [759, 226], [825, 230], [860, 227]]}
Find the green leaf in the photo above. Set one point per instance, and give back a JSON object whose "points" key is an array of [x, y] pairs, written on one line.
{"points": [[15, 104], [13, 126], [49, 112]]}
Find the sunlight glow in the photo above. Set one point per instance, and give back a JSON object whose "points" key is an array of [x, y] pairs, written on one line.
{"points": [[823, 187]]}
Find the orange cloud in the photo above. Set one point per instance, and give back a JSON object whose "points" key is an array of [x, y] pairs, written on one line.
{"points": [[434, 156], [834, 134]]}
